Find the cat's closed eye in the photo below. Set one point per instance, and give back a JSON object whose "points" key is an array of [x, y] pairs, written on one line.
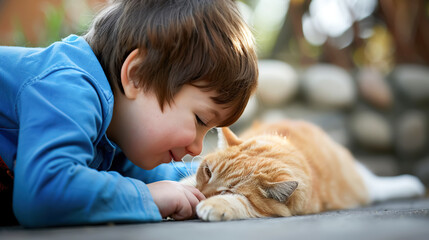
{"points": [[226, 192], [207, 172]]}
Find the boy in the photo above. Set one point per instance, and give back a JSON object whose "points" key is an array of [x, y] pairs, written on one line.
{"points": [[86, 123]]}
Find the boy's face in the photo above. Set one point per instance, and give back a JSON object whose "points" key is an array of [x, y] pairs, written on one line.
{"points": [[149, 136]]}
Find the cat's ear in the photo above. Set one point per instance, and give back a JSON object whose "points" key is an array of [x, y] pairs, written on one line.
{"points": [[230, 137], [281, 191]]}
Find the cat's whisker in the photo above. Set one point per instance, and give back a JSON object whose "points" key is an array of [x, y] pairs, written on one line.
{"points": [[188, 172], [194, 180], [178, 170], [196, 157]]}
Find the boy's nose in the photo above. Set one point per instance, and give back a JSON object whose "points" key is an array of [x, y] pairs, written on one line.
{"points": [[196, 147]]}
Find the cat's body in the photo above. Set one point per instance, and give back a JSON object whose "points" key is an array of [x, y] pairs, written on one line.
{"points": [[289, 168]]}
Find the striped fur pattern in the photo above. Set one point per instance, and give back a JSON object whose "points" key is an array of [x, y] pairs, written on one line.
{"points": [[276, 170]]}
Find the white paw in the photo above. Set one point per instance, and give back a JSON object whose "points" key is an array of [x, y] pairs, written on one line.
{"points": [[210, 211]]}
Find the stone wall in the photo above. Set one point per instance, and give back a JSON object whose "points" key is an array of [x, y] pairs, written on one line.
{"points": [[381, 118]]}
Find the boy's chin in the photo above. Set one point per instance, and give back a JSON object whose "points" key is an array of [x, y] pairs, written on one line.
{"points": [[149, 165], [152, 166], [144, 165]]}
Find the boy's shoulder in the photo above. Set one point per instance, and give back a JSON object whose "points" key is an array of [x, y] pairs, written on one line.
{"points": [[73, 52], [67, 69], [63, 61]]}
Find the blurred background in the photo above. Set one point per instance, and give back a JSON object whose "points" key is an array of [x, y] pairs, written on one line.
{"points": [[357, 68]]}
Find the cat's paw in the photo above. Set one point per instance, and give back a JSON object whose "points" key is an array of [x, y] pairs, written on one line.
{"points": [[210, 211], [413, 185], [222, 208]]}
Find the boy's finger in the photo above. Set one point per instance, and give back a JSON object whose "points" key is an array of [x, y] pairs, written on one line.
{"points": [[193, 200], [186, 208], [196, 193], [184, 211]]}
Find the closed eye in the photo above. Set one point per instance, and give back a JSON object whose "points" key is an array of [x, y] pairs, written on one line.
{"points": [[199, 121], [226, 192], [208, 172]]}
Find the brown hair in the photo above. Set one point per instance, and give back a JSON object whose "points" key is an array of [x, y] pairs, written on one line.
{"points": [[204, 43]]}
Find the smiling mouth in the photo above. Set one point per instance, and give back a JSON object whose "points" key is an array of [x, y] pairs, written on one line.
{"points": [[173, 157]]}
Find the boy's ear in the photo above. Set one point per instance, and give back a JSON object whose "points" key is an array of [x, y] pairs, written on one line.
{"points": [[230, 137], [129, 78]]}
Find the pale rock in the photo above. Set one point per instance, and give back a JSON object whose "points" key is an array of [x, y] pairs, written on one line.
{"points": [[278, 82], [329, 86], [411, 134], [412, 81], [374, 88], [371, 130]]}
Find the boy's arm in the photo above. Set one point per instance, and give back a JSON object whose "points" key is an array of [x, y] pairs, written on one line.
{"points": [[60, 118]]}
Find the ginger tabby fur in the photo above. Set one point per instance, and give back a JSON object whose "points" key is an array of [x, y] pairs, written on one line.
{"points": [[278, 170]]}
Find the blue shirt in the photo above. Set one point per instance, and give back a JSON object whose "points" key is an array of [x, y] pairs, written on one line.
{"points": [[55, 106]]}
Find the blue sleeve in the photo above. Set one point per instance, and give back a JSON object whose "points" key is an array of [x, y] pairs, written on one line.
{"points": [[60, 118], [173, 171]]}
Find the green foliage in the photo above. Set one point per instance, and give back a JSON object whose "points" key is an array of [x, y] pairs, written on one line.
{"points": [[56, 25], [18, 33]]}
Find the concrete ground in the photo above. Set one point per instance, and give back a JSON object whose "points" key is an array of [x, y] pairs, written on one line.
{"points": [[402, 219]]}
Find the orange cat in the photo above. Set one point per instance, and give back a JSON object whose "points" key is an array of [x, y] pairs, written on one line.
{"points": [[288, 168]]}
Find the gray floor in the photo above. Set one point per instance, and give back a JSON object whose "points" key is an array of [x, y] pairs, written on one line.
{"points": [[405, 219]]}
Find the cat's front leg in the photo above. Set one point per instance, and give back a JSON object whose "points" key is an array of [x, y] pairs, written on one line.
{"points": [[225, 207]]}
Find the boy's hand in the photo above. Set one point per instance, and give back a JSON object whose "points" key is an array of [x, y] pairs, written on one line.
{"points": [[175, 200]]}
